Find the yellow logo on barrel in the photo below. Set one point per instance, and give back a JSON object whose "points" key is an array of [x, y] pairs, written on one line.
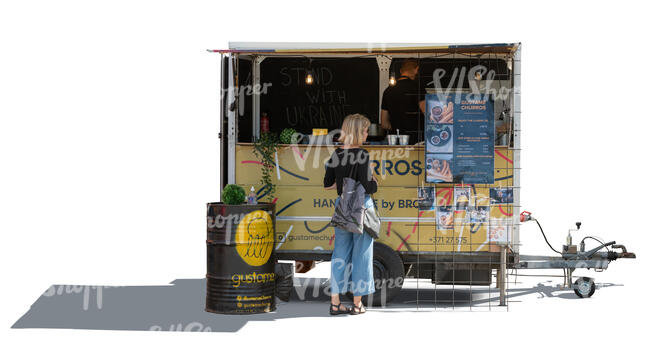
{"points": [[255, 238]]}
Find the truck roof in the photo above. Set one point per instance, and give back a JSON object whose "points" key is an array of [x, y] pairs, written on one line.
{"points": [[369, 47]]}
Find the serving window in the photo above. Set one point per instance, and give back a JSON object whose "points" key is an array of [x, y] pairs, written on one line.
{"points": [[316, 92]]}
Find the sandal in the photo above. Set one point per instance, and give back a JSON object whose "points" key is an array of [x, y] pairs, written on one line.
{"points": [[338, 311], [356, 310]]}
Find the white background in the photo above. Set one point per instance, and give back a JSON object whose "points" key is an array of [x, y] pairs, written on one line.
{"points": [[109, 152]]}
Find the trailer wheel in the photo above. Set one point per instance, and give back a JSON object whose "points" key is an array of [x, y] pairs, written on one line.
{"points": [[584, 287], [388, 272]]}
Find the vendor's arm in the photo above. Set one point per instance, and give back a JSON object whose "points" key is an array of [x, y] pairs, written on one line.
{"points": [[422, 96], [386, 103], [385, 120]]}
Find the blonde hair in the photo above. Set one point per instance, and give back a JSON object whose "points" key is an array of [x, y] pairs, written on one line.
{"points": [[352, 129]]}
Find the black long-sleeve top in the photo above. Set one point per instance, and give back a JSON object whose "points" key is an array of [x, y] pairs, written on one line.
{"points": [[340, 166]]}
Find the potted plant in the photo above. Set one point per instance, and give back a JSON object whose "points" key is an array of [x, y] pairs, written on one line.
{"points": [[265, 149], [233, 194]]}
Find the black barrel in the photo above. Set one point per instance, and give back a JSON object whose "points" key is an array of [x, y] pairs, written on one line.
{"points": [[240, 258]]}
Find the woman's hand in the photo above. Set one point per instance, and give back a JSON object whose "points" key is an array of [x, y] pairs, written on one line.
{"points": [[375, 179], [331, 187]]}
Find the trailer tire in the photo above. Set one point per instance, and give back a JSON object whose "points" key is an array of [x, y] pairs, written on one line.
{"points": [[584, 287], [388, 273]]}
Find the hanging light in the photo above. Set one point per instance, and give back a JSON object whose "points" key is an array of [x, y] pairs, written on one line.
{"points": [[309, 78], [477, 74], [392, 80]]}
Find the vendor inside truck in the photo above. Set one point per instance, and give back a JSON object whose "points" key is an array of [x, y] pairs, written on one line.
{"points": [[402, 104]]}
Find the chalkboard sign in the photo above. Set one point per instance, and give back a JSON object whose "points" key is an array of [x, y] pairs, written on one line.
{"points": [[341, 86]]}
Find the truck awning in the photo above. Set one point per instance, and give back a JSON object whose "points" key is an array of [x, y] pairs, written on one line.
{"points": [[363, 48]]}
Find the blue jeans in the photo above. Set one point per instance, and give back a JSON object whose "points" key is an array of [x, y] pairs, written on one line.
{"points": [[352, 261]]}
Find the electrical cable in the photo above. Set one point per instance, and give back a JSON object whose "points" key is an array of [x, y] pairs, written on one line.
{"points": [[549, 244], [598, 240]]}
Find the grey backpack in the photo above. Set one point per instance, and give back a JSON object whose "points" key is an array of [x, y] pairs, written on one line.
{"points": [[351, 214]]}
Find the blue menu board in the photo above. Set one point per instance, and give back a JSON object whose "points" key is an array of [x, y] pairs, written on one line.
{"points": [[459, 136]]}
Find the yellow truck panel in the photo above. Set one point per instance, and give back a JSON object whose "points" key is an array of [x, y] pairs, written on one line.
{"points": [[464, 218]]}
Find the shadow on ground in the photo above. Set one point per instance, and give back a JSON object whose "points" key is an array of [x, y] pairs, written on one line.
{"points": [[179, 306]]}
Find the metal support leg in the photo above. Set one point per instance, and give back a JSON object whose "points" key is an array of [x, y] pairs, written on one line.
{"points": [[502, 277], [498, 278], [383, 62]]}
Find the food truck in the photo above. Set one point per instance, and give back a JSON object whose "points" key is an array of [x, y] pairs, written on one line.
{"points": [[449, 204]]}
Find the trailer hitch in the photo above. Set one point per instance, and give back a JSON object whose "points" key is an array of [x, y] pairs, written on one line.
{"points": [[623, 253], [595, 254]]}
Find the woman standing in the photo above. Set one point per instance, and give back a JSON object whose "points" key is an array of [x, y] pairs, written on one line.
{"points": [[352, 256]]}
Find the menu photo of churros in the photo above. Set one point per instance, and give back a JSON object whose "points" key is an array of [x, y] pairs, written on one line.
{"points": [[440, 112], [501, 195], [499, 230], [438, 168], [445, 218], [426, 197], [461, 197], [479, 214], [439, 138]]}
